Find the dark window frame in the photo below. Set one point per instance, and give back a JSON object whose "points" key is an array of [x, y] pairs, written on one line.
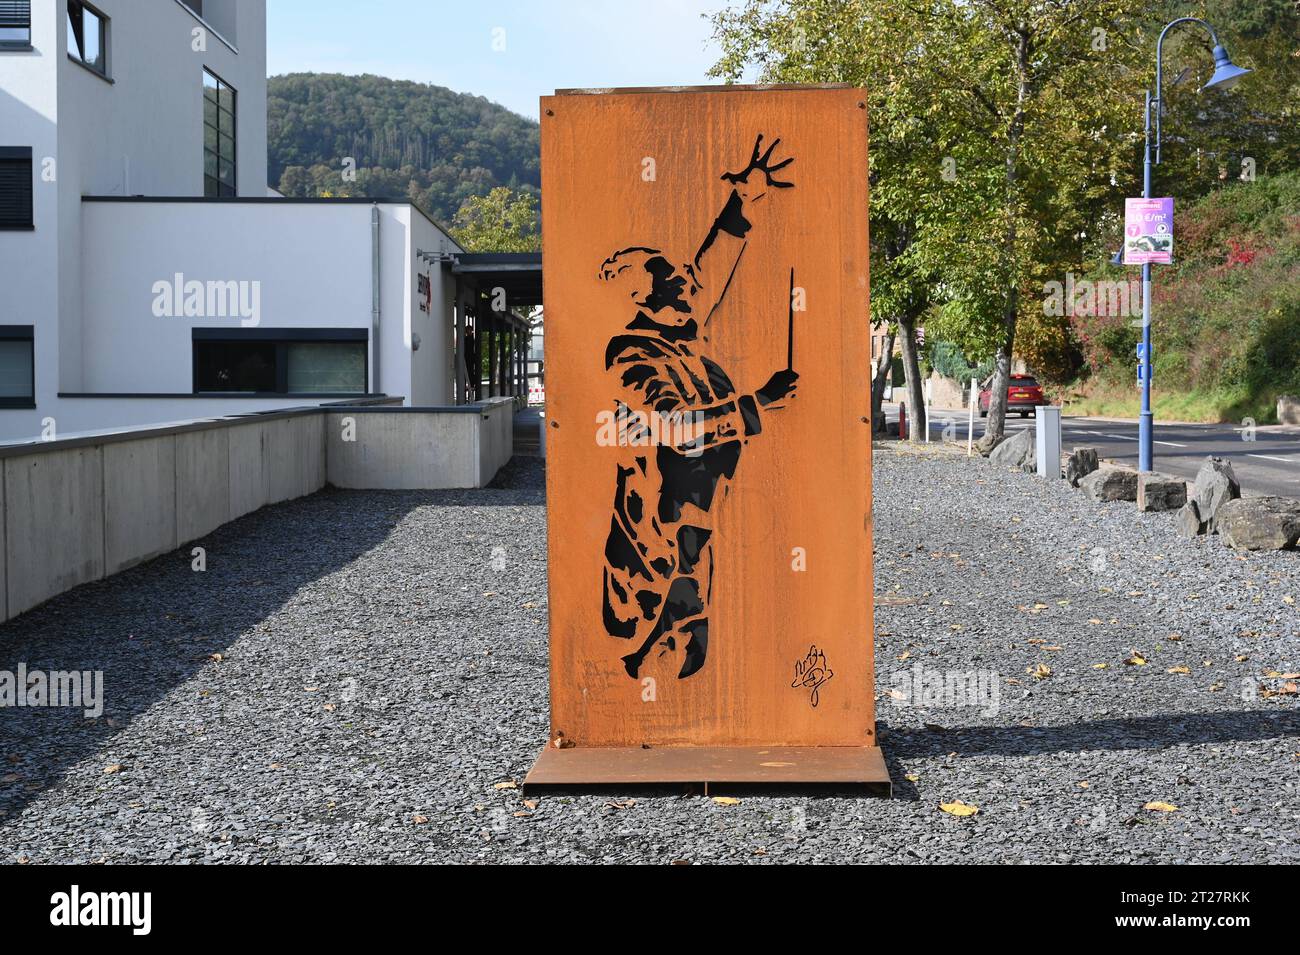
{"points": [[214, 187], [20, 333], [281, 339], [21, 155], [12, 18], [77, 10]]}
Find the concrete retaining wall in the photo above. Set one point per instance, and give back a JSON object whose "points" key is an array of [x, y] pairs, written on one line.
{"points": [[80, 509]]}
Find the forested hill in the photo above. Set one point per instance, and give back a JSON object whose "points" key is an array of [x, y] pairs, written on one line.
{"points": [[409, 140]]}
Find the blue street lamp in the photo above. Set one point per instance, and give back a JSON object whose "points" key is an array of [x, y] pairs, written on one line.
{"points": [[1226, 75]]}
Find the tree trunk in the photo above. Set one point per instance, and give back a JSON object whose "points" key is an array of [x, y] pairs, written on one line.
{"points": [[884, 369], [916, 423], [995, 427]]}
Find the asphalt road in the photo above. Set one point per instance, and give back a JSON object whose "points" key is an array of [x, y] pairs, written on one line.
{"points": [[1270, 464]]}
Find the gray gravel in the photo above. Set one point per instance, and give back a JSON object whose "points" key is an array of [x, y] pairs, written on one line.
{"points": [[356, 672]]}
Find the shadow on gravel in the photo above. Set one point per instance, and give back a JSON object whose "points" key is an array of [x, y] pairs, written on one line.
{"points": [[1145, 732], [151, 628]]}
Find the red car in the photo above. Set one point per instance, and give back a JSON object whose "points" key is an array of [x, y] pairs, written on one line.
{"points": [[1024, 393]]}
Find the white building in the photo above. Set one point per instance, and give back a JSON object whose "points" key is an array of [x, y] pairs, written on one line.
{"points": [[148, 275]]}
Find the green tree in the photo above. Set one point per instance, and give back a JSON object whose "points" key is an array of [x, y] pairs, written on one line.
{"points": [[501, 221], [996, 128]]}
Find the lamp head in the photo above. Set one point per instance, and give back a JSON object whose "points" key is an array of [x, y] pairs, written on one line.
{"points": [[1226, 73]]}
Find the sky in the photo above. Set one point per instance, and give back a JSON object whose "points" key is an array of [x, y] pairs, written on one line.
{"points": [[510, 51]]}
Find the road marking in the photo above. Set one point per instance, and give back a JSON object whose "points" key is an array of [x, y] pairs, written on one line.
{"points": [[1269, 457], [1171, 444]]}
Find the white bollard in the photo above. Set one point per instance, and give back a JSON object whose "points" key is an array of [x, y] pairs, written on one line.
{"points": [[1047, 440], [970, 422]]}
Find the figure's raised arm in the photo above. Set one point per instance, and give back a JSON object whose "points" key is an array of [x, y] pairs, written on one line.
{"points": [[726, 237]]}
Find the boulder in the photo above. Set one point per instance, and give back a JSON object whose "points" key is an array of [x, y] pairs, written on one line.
{"points": [[1016, 451], [1216, 484], [1081, 463], [1288, 409], [1189, 521], [1260, 523], [1111, 484], [1160, 492]]}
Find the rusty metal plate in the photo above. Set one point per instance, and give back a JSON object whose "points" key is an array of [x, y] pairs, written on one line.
{"points": [[775, 766], [706, 255]]}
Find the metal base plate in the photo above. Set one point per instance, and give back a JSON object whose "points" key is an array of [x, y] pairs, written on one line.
{"points": [[802, 767]]}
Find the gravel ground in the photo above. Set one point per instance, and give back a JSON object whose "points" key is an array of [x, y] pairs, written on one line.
{"points": [[356, 672]]}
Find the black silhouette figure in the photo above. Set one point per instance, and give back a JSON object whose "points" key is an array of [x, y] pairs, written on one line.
{"points": [[658, 572]]}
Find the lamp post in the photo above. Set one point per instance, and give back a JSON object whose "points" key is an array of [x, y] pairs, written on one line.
{"points": [[1226, 75]]}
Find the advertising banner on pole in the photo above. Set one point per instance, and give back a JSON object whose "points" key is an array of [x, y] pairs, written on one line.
{"points": [[1148, 231], [705, 268]]}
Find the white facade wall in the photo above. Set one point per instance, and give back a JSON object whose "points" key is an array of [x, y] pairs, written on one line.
{"points": [[138, 132]]}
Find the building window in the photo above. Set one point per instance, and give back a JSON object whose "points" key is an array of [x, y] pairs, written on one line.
{"points": [[15, 24], [88, 36], [17, 367], [218, 136], [15, 187], [283, 361]]}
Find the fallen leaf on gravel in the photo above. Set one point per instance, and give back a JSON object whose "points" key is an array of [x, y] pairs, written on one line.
{"points": [[1101, 666], [726, 800], [626, 804], [1216, 687], [1161, 807], [509, 785], [529, 605], [1094, 621], [277, 766], [419, 820], [530, 803], [1083, 784], [1178, 670], [958, 808], [561, 743], [1174, 637], [1136, 660], [897, 695], [216, 657], [912, 777], [904, 655], [1053, 649], [522, 815], [113, 768], [1039, 671]]}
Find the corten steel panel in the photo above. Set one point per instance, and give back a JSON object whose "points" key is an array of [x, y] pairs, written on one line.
{"points": [[676, 619]]}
